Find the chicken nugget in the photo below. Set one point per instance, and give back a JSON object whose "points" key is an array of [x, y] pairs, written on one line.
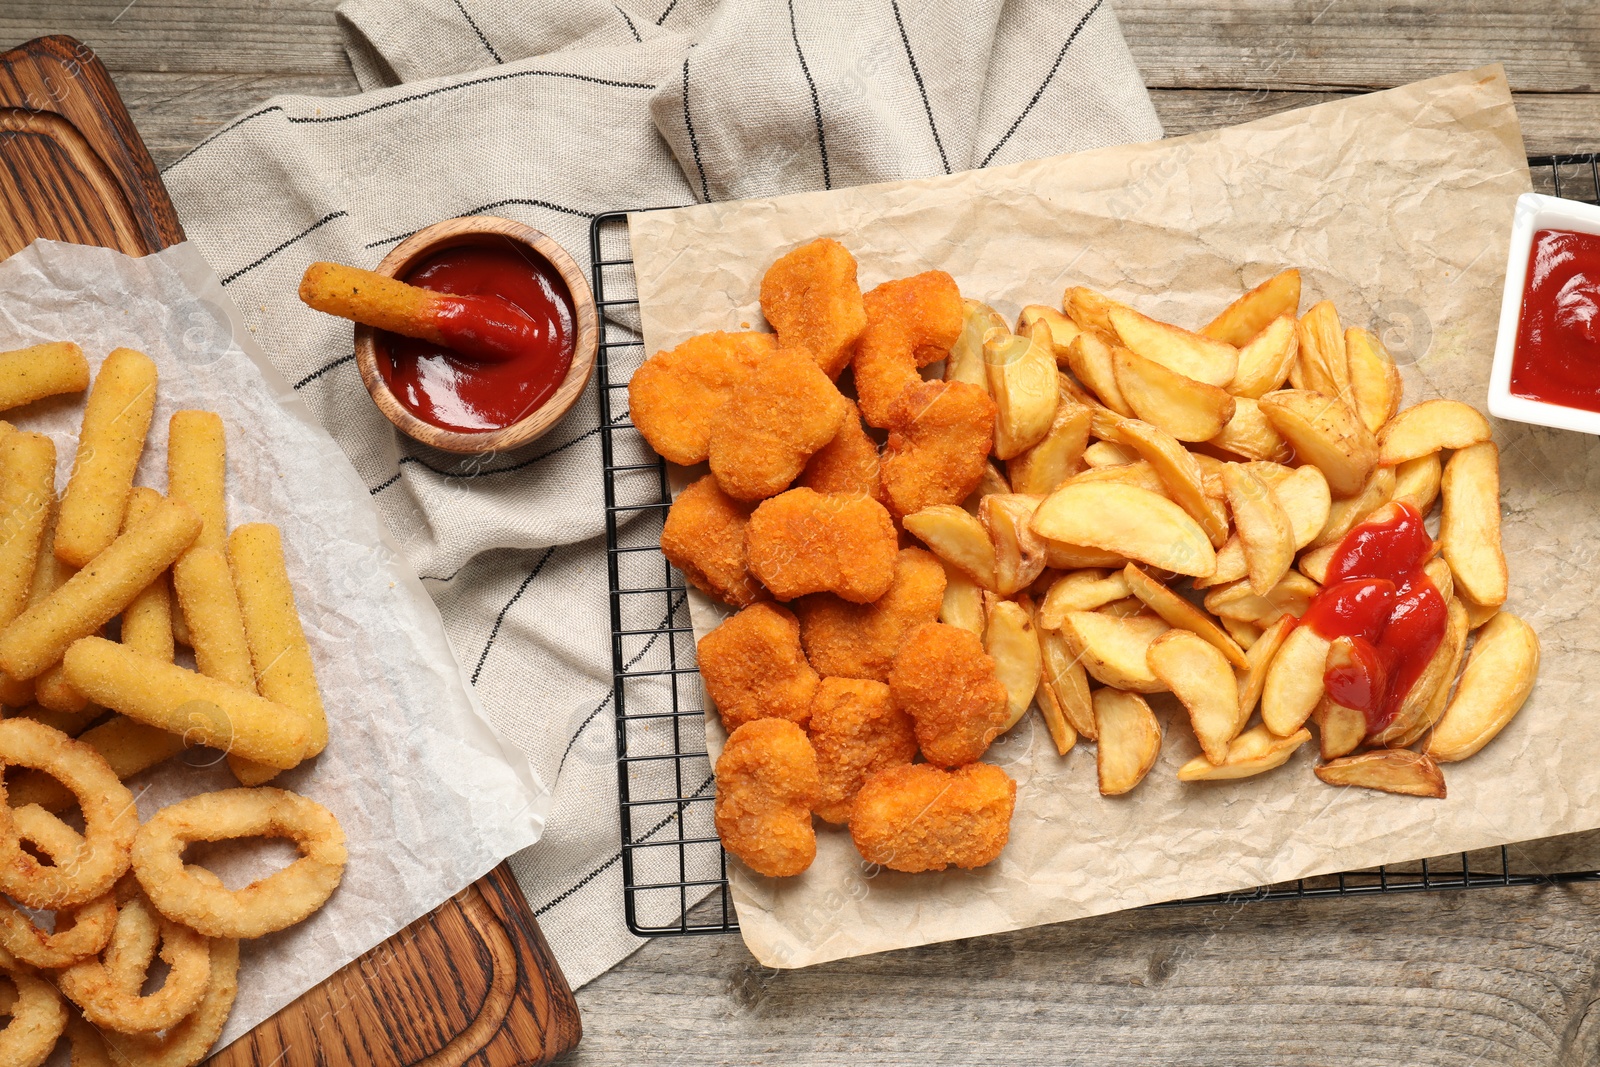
{"points": [[673, 395], [774, 420], [848, 463], [804, 542], [914, 817], [844, 640], [766, 785], [910, 323], [812, 299], [948, 684], [753, 668], [856, 731], [940, 434], [704, 537]]}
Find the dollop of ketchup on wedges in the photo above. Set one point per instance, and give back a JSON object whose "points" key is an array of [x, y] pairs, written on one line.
{"points": [[510, 302], [1378, 595]]}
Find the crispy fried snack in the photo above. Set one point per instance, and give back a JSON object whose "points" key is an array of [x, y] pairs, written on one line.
{"points": [[29, 374], [804, 542], [911, 322], [940, 434], [848, 463], [774, 420], [766, 784], [856, 731], [810, 296], [918, 818], [704, 537], [847, 640], [115, 421], [753, 668], [673, 395], [947, 683]]}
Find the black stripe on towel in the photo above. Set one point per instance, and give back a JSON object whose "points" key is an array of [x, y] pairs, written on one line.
{"points": [[248, 267], [481, 38], [922, 89], [500, 618], [816, 101]]}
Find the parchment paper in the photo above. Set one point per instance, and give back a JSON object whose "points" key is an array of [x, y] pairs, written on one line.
{"points": [[1395, 205], [429, 796]]}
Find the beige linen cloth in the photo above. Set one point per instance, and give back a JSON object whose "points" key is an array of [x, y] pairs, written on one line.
{"points": [[550, 113]]}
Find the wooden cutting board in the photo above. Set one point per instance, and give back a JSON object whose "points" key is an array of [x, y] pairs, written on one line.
{"points": [[472, 983]]}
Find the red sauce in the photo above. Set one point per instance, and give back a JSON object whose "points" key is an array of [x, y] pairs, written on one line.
{"points": [[440, 386], [1558, 337], [1378, 595]]}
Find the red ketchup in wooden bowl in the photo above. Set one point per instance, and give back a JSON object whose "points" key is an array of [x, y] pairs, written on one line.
{"points": [[511, 301], [1557, 356]]}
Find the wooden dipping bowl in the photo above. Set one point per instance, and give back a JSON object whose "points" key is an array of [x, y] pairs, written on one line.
{"points": [[486, 229]]}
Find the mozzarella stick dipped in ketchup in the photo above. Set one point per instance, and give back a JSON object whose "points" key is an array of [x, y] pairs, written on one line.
{"points": [[477, 327]]}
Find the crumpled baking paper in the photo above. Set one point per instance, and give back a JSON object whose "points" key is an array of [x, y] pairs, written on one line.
{"points": [[429, 796], [1397, 206]]}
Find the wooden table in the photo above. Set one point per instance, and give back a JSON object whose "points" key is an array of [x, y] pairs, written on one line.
{"points": [[1501, 976]]}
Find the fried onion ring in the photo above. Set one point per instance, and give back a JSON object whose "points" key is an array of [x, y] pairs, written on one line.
{"points": [[108, 992], [187, 1043], [273, 903], [37, 1019], [80, 932], [109, 817]]}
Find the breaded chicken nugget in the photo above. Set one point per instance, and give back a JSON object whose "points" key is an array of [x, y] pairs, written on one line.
{"points": [[940, 434], [753, 668], [766, 785], [776, 418], [918, 818], [804, 542], [856, 731], [848, 463], [847, 640], [947, 683], [812, 299], [672, 397], [704, 537], [910, 323]]}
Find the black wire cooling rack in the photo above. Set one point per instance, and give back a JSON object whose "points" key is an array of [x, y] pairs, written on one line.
{"points": [[675, 874]]}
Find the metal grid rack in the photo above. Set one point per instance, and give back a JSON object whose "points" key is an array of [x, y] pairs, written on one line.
{"points": [[674, 869]]}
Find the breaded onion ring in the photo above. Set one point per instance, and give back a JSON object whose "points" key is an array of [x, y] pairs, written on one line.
{"points": [[275, 902], [109, 817], [81, 932], [108, 992], [37, 1019], [187, 1043]]}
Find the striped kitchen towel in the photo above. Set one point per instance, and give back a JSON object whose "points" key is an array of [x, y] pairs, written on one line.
{"points": [[551, 112]]}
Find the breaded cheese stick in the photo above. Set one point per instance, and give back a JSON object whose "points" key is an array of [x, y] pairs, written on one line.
{"points": [[278, 646], [115, 421], [27, 498], [38, 371], [147, 621]]}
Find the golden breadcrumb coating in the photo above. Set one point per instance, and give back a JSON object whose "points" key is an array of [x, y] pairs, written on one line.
{"points": [[704, 537], [753, 668], [848, 463], [812, 299], [911, 322], [673, 395], [940, 434], [945, 681], [804, 542], [766, 785], [856, 731], [777, 417], [860, 640], [916, 817]]}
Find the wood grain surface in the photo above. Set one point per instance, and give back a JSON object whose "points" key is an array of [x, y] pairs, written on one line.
{"points": [[1483, 977], [473, 982]]}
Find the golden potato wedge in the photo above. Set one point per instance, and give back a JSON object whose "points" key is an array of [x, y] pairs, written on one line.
{"points": [[1108, 454], [1082, 590], [1063, 331], [1245, 318], [1063, 556], [1259, 657], [965, 361], [1211, 476], [990, 483], [1023, 380], [1469, 531], [1139, 473], [1291, 596], [1090, 359], [1019, 552], [1392, 770], [1305, 499], [1293, 685], [1265, 362], [1056, 458], [1067, 681], [1062, 733], [1246, 633], [958, 538], [1498, 678], [1177, 612], [1115, 650], [1129, 742], [1186, 409], [1011, 642], [1375, 385], [1231, 565], [1183, 476], [1324, 365], [1199, 676], [1126, 608], [1438, 572], [1425, 428], [1326, 434], [1478, 615], [1314, 563], [1457, 636], [1344, 515], [1189, 354], [1134, 523], [1416, 481], [1340, 730], [1253, 752], [1090, 311], [1410, 719], [963, 600], [1264, 529], [1250, 435]]}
